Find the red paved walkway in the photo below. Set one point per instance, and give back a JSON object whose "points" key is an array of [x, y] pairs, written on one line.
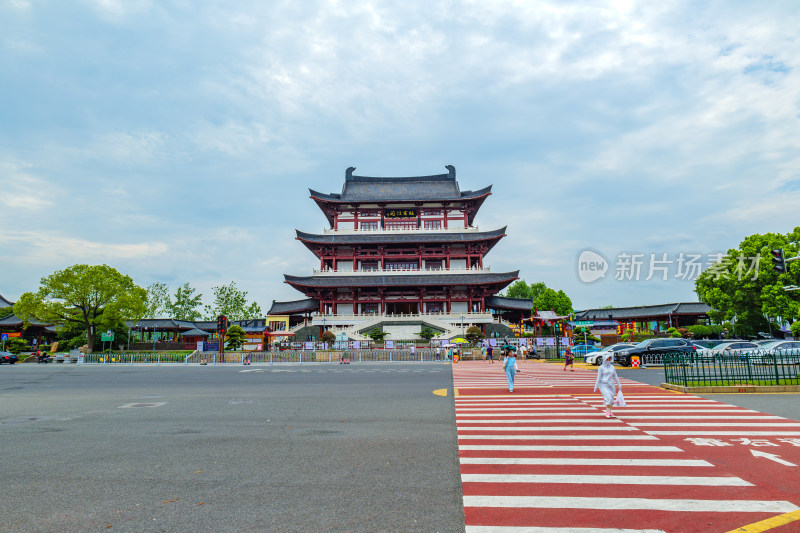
{"points": [[546, 459]]}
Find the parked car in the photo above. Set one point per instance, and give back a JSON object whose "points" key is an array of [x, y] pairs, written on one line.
{"points": [[733, 347], [764, 341], [8, 357], [708, 343], [595, 358], [769, 352], [582, 349], [655, 346]]}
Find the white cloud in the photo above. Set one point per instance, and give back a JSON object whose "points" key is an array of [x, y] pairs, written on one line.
{"points": [[23, 192]]}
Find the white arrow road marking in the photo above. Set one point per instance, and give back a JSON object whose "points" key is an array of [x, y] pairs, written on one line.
{"points": [[771, 457]]}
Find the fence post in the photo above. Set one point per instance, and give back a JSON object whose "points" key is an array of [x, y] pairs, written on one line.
{"points": [[683, 366], [775, 366]]}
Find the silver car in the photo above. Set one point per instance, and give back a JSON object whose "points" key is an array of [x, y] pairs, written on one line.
{"points": [[595, 358]]}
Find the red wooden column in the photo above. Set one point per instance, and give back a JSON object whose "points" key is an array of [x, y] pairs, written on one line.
{"points": [[449, 295], [355, 218], [421, 297]]}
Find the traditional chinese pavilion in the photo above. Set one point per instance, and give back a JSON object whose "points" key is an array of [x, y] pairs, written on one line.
{"points": [[398, 250]]}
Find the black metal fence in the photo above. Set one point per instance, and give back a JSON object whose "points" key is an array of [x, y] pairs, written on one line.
{"points": [[739, 368]]}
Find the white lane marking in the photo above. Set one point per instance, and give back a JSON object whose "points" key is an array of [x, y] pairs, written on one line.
{"points": [[650, 504], [555, 448], [509, 420], [253, 370], [608, 480], [582, 461], [604, 427], [136, 405], [743, 433], [528, 529], [771, 457], [601, 426], [722, 411], [705, 417], [713, 422], [600, 438], [593, 420], [555, 407]]}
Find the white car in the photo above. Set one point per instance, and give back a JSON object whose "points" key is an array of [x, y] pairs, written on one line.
{"points": [[595, 358], [733, 347]]}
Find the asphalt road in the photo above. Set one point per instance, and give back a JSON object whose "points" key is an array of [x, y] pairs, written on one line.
{"points": [[283, 448]]}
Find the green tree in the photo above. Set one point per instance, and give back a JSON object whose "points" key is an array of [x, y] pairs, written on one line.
{"points": [[427, 333], [549, 299], [98, 297], [376, 334], [158, 302], [474, 334], [327, 336], [520, 289], [744, 288], [185, 304], [699, 331], [235, 336], [5, 311], [232, 302]]}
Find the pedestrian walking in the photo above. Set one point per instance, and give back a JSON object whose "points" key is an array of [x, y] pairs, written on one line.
{"points": [[438, 353], [607, 382], [511, 368], [569, 360], [489, 353]]}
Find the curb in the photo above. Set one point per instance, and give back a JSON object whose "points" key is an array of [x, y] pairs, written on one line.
{"points": [[732, 388]]}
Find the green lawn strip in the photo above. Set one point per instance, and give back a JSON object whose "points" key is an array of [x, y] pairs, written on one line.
{"points": [[737, 382]]}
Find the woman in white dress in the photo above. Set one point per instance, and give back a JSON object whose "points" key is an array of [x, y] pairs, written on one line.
{"points": [[607, 381]]}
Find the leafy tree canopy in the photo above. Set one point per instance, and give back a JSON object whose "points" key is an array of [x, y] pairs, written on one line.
{"points": [[549, 299], [98, 297], [158, 301], [474, 334], [376, 334], [520, 289], [427, 333], [185, 304], [327, 336], [5, 311], [235, 336], [230, 301], [744, 286]]}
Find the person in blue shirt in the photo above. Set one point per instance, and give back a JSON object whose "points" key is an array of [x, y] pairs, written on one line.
{"points": [[511, 368]]}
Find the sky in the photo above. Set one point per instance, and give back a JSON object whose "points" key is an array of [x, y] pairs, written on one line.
{"points": [[176, 141]]}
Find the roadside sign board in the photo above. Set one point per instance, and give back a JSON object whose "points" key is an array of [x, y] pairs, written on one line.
{"points": [[584, 323], [3, 336], [107, 336]]}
